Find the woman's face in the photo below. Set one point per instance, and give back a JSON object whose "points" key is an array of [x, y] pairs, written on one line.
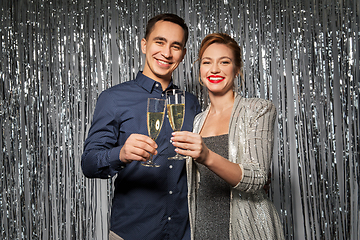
{"points": [[217, 68]]}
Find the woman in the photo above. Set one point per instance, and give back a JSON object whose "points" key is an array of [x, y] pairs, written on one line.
{"points": [[231, 145]]}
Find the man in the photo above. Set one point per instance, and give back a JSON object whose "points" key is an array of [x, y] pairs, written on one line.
{"points": [[148, 203]]}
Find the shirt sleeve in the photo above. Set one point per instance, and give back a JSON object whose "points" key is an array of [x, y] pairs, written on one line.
{"points": [[100, 158], [256, 144]]}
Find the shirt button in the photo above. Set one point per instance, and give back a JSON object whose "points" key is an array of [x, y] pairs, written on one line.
{"points": [[156, 85], [171, 166], [170, 192], [169, 218]]}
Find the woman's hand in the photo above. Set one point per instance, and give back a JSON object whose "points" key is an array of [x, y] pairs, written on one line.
{"points": [[190, 144]]}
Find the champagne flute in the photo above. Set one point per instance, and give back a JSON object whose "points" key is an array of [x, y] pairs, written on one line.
{"points": [[175, 101], [155, 119]]}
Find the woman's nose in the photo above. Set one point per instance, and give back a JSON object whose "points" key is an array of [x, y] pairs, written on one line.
{"points": [[215, 68]]}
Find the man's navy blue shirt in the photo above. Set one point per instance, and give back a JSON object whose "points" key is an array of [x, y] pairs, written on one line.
{"points": [[148, 203]]}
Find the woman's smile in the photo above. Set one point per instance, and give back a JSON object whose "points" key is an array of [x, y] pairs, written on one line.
{"points": [[215, 78]]}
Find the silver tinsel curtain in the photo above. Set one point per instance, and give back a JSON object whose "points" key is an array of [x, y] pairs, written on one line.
{"points": [[57, 56]]}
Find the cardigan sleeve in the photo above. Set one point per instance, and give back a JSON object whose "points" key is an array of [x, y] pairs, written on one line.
{"points": [[254, 126]]}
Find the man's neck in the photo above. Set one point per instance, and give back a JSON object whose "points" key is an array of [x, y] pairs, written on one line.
{"points": [[163, 81]]}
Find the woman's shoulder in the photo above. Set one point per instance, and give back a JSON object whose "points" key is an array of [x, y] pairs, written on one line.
{"points": [[254, 102], [255, 105]]}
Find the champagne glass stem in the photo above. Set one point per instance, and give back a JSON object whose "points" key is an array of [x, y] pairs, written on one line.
{"points": [[150, 163]]}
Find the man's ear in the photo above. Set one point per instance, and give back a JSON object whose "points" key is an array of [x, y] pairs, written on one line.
{"points": [[183, 54], [143, 45]]}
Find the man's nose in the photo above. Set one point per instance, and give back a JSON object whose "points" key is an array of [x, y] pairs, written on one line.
{"points": [[166, 52]]}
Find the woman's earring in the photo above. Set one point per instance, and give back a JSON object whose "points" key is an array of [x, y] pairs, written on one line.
{"points": [[201, 82]]}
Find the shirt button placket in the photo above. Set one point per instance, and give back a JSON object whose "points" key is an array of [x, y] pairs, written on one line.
{"points": [[170, 191]]}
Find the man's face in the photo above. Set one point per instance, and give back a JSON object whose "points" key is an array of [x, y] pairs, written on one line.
{"points": [[164, 50]]}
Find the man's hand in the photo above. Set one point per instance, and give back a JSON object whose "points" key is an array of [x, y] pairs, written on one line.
{"points": [[137, 148]]}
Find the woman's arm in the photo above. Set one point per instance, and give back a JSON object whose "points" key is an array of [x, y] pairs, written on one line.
{"points": [[253, 138]]}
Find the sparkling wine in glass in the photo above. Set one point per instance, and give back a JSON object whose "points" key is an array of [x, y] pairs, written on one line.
{"points": [[175, 102], [155, 119]]}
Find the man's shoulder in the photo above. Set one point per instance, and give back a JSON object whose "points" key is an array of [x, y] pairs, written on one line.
{"points": [[121, 87], [191, 96]]}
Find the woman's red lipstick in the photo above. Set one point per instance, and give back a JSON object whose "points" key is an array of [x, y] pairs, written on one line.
{"points": [[215, 78]]}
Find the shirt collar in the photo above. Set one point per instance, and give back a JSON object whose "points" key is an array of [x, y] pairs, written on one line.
{"points": [[148, 83]]}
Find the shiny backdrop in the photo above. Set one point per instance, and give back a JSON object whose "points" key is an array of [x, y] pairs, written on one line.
{"points": [[57, 56]]}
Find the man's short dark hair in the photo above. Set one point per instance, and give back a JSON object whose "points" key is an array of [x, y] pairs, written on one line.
{"points": [[169, 17]]}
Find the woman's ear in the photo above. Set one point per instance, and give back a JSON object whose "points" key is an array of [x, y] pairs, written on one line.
{"points": [[237, 72]]}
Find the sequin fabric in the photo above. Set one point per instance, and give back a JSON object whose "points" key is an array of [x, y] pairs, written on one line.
{"points": [[213, 196], [252, 214]]}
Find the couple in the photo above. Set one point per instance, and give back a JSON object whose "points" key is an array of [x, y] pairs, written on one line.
{"points": [[230, 145]]}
